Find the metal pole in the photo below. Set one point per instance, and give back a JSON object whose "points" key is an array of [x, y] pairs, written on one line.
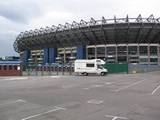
{"points": [[127, 54], [158, 53], [95, 52], [148, 51], [42, 70], [36, 70], [138, 53], [63, 69], [116, 57], [105, 52], [49, 68], [57, 68], [86, 52]]}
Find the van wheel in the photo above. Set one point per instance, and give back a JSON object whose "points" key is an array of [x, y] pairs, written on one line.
{"points": [[102, 73], [85, 73]]}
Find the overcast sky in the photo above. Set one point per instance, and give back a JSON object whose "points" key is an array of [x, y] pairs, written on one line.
{"points": [[19, 15]]}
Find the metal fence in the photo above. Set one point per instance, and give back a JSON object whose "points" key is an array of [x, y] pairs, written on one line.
{"points": [[69, 70], [141, 68], [48, 70]]}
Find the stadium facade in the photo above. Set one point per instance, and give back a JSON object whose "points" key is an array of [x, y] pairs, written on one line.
{"points": [[117, 40]]}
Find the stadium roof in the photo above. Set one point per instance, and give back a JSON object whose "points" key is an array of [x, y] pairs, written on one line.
{"points": [[104, 31]]}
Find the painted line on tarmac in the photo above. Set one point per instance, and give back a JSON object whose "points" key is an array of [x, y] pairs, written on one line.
{"points": [[86, 88], [128, 86], [109, 83], [154, 91], [13, 79], [55, 76], [95, 101], [13, 102], [93, 86], [56, 108], [96, 86], [116, 117]]}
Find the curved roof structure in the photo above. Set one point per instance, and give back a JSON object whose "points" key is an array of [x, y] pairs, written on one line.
{"points": [[104, 31]]}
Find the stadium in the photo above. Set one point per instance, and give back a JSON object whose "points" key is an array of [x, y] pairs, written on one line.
{"points": [[135, 41]]}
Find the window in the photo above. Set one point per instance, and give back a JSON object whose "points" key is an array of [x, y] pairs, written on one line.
{"points": [[15, 67], [91, 53], [5, 67], [132, 50], [154, 60], [99, 66], [101, 52], [153, 50], [10, 67], [0, 67], [90, 65], [143, 50]]}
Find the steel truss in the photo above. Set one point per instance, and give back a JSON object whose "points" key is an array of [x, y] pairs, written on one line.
{"points": [[147, 31]]}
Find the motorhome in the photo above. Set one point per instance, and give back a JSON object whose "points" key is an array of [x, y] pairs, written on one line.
{"points": [[86, 67]]}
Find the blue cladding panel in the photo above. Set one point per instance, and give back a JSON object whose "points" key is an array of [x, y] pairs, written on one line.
{"points": [[81, 52], [46, 56], [52, 55], [26, 57]]}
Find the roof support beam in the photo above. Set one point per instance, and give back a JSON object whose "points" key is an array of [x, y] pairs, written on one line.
{"points": [[104, 34], [93, 23], [138, 36], [115, 30]]}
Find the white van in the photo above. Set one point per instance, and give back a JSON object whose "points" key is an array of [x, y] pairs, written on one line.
{"points": [[90, 66]]}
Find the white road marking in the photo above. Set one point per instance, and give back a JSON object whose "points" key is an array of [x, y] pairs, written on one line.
{"points": [[155, 89], [135, 83], [14, 78], [56, 108], [116, 117], [12, 102], [95, 86], [109, 83], [54, 76], [68, 86], [86, 88], [94, 101]]}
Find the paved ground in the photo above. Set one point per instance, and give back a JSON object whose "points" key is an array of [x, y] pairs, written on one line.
{"points": [[113, 97]]}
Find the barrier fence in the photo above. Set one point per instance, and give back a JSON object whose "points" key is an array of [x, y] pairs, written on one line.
{"points": [[48, 70], [69, 70]]}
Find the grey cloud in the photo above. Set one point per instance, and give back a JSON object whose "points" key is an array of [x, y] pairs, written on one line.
{"points": [[19, 11]]}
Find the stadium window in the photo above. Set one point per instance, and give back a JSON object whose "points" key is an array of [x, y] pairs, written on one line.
{"points": [[143, 50], [5, 67], [89, 65], [15, 67], [91, 53], [10, 67], [101, 52], [153, 50], [154, 60]]}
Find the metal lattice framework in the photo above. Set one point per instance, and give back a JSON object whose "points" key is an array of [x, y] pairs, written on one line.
{"points": [[104, 31]]}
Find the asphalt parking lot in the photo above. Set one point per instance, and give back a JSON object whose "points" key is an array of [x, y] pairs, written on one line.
{"points": [[111, 97]]}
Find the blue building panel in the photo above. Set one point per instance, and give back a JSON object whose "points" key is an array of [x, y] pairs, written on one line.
{"points": [[81, 52], [46, 56], [10, 62], [52, 55], [26, 56]]}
